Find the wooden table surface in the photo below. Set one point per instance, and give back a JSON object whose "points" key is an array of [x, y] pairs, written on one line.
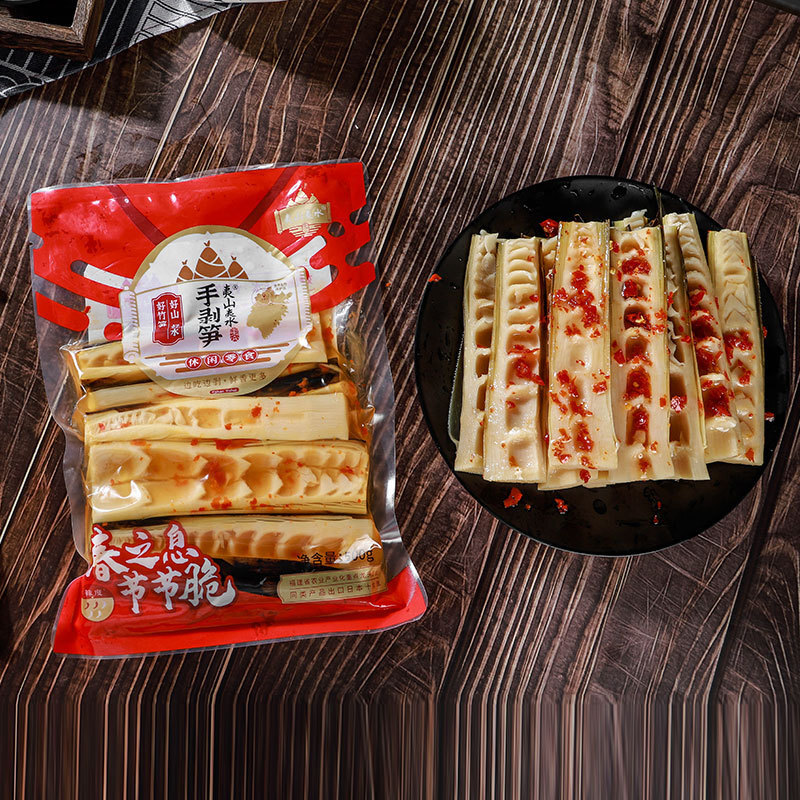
{"points": [[534, 673]]}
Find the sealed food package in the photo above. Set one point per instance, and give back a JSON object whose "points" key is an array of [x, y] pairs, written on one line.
{"points": [[213, 349]]}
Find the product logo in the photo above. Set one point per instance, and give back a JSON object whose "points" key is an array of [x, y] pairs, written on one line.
{"points": [[215, 310], [303, 216]]}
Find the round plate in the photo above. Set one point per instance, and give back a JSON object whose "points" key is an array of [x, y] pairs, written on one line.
{"points": [[623, 519]]}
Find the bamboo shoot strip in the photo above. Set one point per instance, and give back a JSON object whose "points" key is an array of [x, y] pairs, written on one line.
{"points": [[580, 420], [105, 363], [723, 439], [332, 541], [513, 445], [735, 277], [548, 262], [639, 369], [478, 320], [686, 427], [302, 417], [137, 480]]}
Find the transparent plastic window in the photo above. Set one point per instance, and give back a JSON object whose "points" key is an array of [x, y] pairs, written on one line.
{"points": [[213, 349]]}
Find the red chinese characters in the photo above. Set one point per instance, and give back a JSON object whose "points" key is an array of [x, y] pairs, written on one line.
{"points": [[167, 319]]}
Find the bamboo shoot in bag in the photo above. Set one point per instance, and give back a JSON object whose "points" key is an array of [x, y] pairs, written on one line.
{"points": [[230, 453]]}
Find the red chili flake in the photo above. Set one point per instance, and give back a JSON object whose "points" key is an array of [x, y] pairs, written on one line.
{"points": [[560, 297], [527, 506], [387, 284], [662, 402], [514, 496], [660, 314], [194, 442], [630, 289], [677, 402], [434, 278], [739, 340], [583, 441], [750, 455], [565, 380], [561, 505], [228, 426], [670, 298], [639, 422], [696, 297], [520, 348], [769, 416], [637, 319], [638, 384], [656, 520], [534, 298], [511, 404], [687, 339], [578, 279], [619, 274], [529, 329], [704, 328], [644, 464], [577, 407], [600, 387], [707, 361], [572, 330], [585, 475], [764, 330], [587, 462], [717, 402], [546, 438], [221, 503], [635, 265], [523, 369], [556, 401], [619, 357], [101, 425], [745, 376], [550, 227], [255, 412], [615, 246], [537, 380], [658, 504]]}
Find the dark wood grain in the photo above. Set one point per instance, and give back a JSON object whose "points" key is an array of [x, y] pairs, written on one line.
{"points": [[534, 673]]}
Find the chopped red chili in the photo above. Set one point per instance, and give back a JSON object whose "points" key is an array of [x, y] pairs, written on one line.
{"points": [[739, 340], [572, 330], [769, 416], [637, 319], [635, 265], [677, 402], [703, 327], [696, 297], [619, 357], [434, 278], [707, 361], [639, 422], [662, 402], [615, 246], [744, 375], [514, 496], [510, 404], [638, 384], [561, 505], [565, 380], [717, 401], [583, 441], [600, 387], [630, 289], [584, 475], [549, 226], [750, 455], [670, 298]]}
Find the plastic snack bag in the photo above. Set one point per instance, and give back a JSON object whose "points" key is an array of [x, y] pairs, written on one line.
{"points": [[213, 349]]}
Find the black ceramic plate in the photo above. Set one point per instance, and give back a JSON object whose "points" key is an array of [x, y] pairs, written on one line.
{"points": [[616, 520]]}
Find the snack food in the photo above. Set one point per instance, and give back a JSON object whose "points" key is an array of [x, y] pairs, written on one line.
{"points": [[634, 376], [229, 439]]}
